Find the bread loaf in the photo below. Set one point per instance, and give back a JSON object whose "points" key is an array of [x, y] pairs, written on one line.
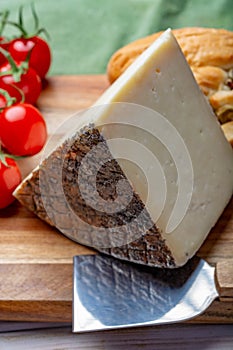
{"points": [[228, 131]]}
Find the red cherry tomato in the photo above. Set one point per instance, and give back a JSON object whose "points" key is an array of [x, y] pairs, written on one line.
{"points": [[23, 129], [40, 58], [10, 178], [29, 83], [12, 91]]}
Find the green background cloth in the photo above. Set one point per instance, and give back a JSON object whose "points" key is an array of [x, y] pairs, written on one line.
{"points": [[85, 33]]}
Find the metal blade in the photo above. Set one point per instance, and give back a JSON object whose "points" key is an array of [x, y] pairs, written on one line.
{"points": [[109, 293]]}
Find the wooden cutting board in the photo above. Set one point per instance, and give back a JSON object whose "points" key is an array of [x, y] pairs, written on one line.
{"points": [[36, 260]]}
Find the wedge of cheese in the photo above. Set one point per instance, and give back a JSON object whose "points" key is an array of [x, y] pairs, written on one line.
{"points": [[148, 171]]}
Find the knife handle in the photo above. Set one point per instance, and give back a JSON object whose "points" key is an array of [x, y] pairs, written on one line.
{"points": [[224, 279]]}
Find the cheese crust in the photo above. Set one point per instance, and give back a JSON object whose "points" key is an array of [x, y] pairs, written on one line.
{"points": [[41, 193]]}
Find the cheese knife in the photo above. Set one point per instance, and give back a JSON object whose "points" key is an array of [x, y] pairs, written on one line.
{"points": [[109, 293]]}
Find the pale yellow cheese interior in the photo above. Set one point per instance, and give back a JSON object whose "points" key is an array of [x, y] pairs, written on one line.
{"points": [[161, 80]]}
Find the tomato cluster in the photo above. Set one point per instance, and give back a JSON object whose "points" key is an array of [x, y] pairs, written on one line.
{"points": [[24, 63]]}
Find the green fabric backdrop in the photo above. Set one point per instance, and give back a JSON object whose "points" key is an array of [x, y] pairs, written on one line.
{"points": [[84, 33]]}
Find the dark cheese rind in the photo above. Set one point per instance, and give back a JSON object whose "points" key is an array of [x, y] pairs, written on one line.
{"points": [[52, 192]]}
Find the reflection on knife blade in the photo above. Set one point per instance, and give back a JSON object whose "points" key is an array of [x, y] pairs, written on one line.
{"points": [[109, 293]]}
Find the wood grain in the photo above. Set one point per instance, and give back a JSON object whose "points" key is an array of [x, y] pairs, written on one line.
{"points": [[224, 278], [36, 260]]}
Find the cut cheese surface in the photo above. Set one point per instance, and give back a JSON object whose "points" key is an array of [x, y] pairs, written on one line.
{"points": [[161, 141]]}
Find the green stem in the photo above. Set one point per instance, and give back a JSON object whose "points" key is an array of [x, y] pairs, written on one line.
{"points": [[9, 59], [21, 16], [3, 157], [36, 18], [15, 71], [20, 25], [43, 30], [10, 100], [4, 15], [20, 92], [17, 25]]}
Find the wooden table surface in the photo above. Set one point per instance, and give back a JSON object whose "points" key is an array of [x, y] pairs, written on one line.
{"points": [[173, 337], [36, 260]]}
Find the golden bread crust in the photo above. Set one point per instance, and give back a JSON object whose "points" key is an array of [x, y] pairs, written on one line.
{"points": [[201, 47], [228, 131]]}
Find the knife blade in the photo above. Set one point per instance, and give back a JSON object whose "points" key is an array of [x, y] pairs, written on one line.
{"points": [[109, 293]]}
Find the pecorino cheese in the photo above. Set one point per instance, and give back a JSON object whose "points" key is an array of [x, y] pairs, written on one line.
{"points": [[147, 173]]}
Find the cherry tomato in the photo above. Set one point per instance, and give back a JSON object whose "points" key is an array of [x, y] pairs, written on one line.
{"points": [[40, 58], [29, 83], [12, 91], [10, 178], [23, 129]]}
